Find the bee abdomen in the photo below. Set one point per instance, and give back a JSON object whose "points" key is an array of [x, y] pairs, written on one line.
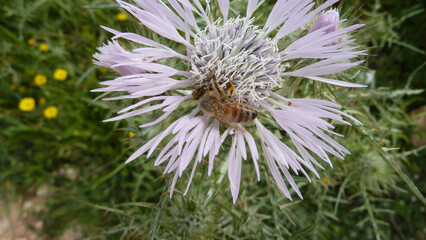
{"points": [[241, 113]]}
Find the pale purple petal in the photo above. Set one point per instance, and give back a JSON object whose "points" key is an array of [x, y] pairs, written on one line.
{"points": [[277, 152], [252, 5], [193, 140], [272, 166], [224, 8], [303, 120], [139, 86], [335, 82], [172, 186], [326, 67], [190, 178], [319, 44], [212, 144], [161, 9], [234, 167], [281, 12], [112, 55], [185, 12], [167, 101], [241, 145], [153, 143], [168, 110], [203, 12], [254, 153], [157, 23]]}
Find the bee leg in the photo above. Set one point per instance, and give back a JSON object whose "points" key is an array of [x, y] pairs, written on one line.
{"points": [[216, 85]]}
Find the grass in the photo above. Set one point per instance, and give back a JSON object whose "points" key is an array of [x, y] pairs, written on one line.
{"points": [[81, 158]]}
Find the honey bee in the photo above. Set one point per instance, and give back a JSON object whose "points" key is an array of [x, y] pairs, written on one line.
{"points": [[212, 100]]}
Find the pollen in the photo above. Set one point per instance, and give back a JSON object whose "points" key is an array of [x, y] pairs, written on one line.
{"points": [[50, 112], [40, 79], [60, 74], [26, 104]]}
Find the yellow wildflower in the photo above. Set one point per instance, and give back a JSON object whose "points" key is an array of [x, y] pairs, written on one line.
{"points": [[42, 100], [12, 87], [103, 69], [40, 79], [26, 104], [131, 134], [324, 179], [121, 16], [29, 71], [50, 112], [31, 41], [43, 47], [60, 74], [22, 89]]}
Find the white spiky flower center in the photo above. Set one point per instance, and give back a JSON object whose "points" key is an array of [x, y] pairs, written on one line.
{"points": [[237, 51]]}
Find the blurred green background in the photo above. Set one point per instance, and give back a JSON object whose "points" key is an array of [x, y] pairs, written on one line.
{"points": [[55, 148]]}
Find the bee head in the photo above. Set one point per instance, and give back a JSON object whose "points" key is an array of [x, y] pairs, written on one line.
{"points": [[199, 91]]}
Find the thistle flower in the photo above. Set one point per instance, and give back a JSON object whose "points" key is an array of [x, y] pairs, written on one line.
{"points": [[234, 50]]}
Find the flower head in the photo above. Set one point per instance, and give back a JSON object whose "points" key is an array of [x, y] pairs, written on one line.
{"points": [[42, 100], [43, 47], [22, 89], [40, 79], [60, 74], [26, 104], [121, 16], [103, 69], [328, 19], [50, 112], [233, 69], [31, 41]]}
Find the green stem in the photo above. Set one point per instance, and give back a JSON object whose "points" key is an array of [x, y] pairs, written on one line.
{"points": [[158, 213], [394, 165], [370, 211]]}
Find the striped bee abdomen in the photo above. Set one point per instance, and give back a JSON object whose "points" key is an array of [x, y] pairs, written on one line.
{"points": [[235, 113]]}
